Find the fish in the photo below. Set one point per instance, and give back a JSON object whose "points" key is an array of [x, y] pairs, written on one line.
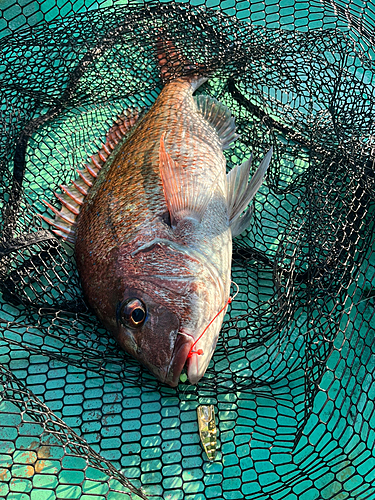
{"points": [[152, 216]]}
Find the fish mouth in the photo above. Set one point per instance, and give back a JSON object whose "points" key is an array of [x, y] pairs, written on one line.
{"points": [[195, 369], [181, 350]]}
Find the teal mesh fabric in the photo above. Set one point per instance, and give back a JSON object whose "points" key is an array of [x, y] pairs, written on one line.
{"points": [[292, 378]]}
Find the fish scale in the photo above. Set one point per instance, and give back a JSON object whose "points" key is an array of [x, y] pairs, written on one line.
{"points": [[170, 113]]}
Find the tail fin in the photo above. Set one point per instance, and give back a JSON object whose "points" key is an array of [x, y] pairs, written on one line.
{"points": [[173, 64]]}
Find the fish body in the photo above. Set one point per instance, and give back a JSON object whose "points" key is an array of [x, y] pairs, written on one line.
{"points": [[153, 235], [127, 248]]}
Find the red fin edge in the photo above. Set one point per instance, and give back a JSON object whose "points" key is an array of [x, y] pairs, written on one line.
{"points": [[65, 220]]}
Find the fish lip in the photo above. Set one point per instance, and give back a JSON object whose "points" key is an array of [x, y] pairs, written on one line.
{"points": [[193, 375], [180, 355]]}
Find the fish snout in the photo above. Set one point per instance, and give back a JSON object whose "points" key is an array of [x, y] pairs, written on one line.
{"points": [[181, 351], [197, 364], [203, 348]]}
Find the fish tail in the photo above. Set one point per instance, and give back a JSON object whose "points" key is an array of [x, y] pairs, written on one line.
{"points": [[174, 65]]}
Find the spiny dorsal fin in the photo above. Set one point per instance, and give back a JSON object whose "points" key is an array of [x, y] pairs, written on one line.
{"points": [[185, 195], [73, 196], [219, 116], [240, 192]]}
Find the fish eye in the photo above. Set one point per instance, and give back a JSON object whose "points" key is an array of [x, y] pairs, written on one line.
{"points": [[133, 313]]}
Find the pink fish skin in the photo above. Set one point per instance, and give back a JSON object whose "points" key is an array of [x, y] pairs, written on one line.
{"points": [[153, 237]]}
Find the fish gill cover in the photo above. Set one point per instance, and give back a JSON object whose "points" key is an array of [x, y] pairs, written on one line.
{"points": [[292, 377]]}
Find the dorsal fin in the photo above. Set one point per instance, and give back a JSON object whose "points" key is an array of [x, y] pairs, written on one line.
{"points": [[219, 116], [73, 196], [240, 192]]}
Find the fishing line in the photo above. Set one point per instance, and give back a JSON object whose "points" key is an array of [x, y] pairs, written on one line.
{"points": [[199, 352]]}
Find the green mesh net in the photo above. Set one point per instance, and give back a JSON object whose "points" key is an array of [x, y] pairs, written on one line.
{"points": [[291, 379]]}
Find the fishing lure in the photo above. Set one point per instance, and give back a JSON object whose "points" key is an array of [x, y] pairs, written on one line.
{"points": [[207, 430]]}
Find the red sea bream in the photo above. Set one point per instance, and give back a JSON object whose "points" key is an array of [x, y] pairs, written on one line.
{"points": [[152, 218]]}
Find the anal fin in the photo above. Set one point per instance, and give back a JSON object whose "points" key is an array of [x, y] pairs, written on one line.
{"points": [[241, 192], [72, 197], [219, 117]]}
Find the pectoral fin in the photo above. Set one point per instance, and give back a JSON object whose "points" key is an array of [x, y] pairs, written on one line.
{"points": [[186, 194], [241, 192]]}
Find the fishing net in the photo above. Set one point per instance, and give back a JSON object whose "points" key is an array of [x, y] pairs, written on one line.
{"points": [[291, 379]]}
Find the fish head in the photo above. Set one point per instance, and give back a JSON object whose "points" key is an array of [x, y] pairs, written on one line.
{"points": [[165, 302], [148, 329]]}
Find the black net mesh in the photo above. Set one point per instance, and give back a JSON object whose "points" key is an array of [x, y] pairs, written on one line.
{"points": [[292, 377]]}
